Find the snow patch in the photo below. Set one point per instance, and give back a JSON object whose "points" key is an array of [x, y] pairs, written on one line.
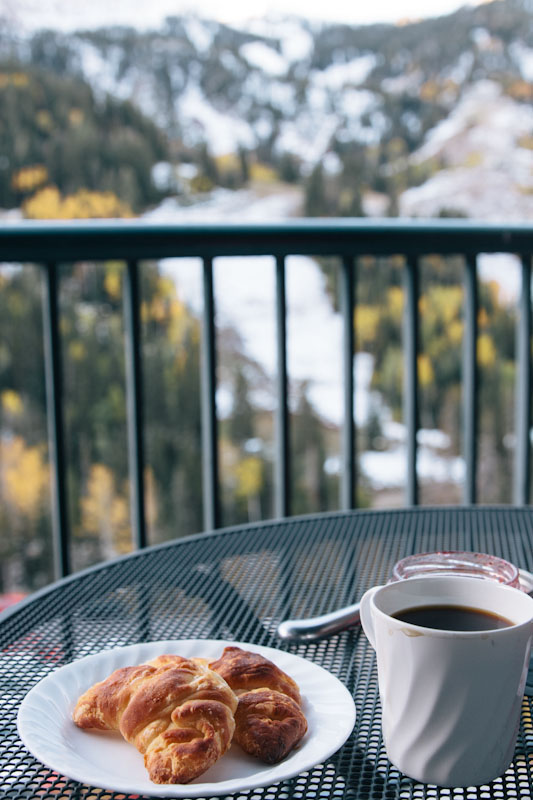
{"points": [[163, 176], [261, 55], [482, 38], [487, 174], [198, 33], [332, 164], [505, 270], [490, 194], [352, 73], [355, 102], [484, 122], [224, 133], [263, 90], [388, 469], [310, 139], [406, 82], [460, 71], [523, 58], [100, 70], [296, 43]]}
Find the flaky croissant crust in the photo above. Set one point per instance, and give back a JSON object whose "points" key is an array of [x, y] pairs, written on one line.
{"points": [[269, 721], [176, 711]]}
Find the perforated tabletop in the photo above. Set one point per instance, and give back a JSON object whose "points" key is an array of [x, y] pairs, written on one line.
{"points": [[238, 584]]}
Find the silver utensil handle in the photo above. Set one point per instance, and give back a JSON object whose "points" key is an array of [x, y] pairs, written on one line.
{"points": [[307, 630]]}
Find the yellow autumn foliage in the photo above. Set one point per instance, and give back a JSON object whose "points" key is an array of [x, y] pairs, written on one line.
{"points": [[450, 307], [494, 290], [11, 402], [44, 120], [426, 375], [455, 332], [48, 203], [77, 350], [429, 91], [27, 179], [166, 287], [75, 117], [150, 497], [158, 309], [366, 323], [249, 475], [483, 318], [521, 90], [24, 476], [166, 308], [262, 173], [526, 141], [228, 162], [113, 281], [18, 79], [474, 159], [442, 304], [486, 350], [180, 322], [395, 302], [105, 511]]}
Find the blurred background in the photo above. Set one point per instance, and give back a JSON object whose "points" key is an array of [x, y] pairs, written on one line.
{"points": [[169, 114]]}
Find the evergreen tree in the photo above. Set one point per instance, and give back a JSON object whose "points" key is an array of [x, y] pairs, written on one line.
{"points": [[316, 203]]}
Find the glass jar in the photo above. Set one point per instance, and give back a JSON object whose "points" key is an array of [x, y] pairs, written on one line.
{"points": [[457, 562]]}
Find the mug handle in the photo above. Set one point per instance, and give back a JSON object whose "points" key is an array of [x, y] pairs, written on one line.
{"points": [[366, 615]]}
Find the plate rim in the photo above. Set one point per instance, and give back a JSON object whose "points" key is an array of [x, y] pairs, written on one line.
{"points": [[25, 714]]}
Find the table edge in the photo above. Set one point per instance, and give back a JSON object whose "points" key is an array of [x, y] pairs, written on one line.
{"points": [[216, 532]]}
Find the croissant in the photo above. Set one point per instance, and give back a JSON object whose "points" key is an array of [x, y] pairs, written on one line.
{"points": [[269, 720], [176, 711]]}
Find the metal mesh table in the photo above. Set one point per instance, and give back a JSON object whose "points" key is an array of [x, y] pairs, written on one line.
{"points": [[238, 584]]}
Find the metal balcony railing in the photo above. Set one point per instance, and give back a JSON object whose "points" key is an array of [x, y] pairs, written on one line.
{"points": [[49, 244]]}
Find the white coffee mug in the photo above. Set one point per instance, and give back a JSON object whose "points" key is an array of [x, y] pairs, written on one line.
{"points": [[450, 700]]}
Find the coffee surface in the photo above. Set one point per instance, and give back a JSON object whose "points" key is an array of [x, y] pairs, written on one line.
{"points": [[452, 618]]}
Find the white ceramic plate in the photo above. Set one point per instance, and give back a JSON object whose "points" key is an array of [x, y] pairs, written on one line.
{"points": [[105, 760]]}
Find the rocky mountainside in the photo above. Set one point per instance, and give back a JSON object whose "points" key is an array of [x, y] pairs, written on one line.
{"points": [[425, 118]]}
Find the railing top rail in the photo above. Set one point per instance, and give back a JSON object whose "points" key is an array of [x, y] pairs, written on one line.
{"points": [[42, 241]]}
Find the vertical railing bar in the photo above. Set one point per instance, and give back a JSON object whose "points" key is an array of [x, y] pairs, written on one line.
{"points": [[470, 380], [282, 506], [411, 376], [210, 471], [134, 402], [348, 477], [55, 420], [523, 389]]}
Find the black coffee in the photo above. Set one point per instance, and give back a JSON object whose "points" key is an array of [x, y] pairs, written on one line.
{"points": [[452, 618]]}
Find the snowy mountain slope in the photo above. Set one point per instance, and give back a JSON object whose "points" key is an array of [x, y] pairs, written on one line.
{"points": [[253, 94], [486, 153], [431, 116]]}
